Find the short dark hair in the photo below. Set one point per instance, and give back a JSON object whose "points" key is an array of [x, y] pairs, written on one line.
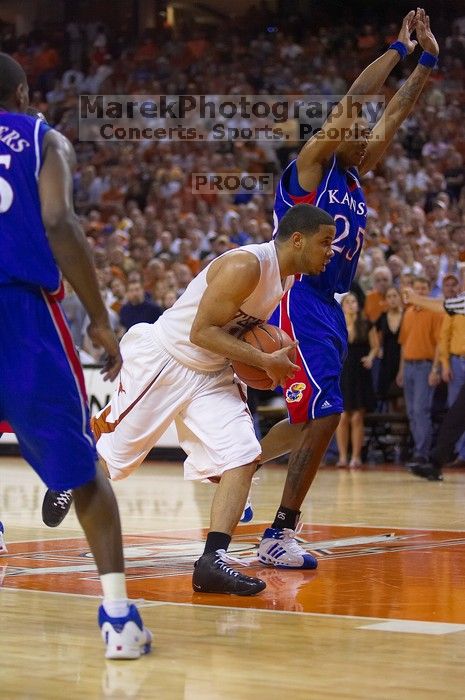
{"points": [[11, 75], [422, 280], [305, 218]]}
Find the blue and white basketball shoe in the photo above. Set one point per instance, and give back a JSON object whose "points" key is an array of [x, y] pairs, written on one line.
{"points": [[3, 549], [124, 637], [280, 548]]}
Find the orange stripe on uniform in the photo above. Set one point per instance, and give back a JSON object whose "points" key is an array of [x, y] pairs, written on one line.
{"points": [[100, 425]]}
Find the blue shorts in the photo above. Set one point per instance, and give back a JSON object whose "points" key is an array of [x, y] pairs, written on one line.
{"points": [[42, 392], [319, 326]]}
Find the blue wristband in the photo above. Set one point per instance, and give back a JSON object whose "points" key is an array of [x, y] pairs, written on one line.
{"points": [[400, 48], [428, 60]]}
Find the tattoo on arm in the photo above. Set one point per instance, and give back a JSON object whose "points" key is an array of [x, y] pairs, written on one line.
{"points": [[408, 94]]}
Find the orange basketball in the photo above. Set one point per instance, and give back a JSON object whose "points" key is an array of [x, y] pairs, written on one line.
{"points": [[266, 338]]}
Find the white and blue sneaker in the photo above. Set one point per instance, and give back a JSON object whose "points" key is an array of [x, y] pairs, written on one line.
{"points": [[280, 548], [124, 637], [247, 513], [3, 549]]}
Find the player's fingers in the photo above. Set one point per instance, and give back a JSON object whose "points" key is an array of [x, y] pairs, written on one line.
{"points": [[112, 367], [408, 17]]}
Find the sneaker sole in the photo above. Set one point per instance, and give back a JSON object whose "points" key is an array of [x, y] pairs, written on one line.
{"points": [[287, 566], [125, 654], [242, 593], [134, 652]]}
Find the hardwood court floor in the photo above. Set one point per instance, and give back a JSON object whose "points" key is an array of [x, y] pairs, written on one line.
{"points": [[382, 618]]}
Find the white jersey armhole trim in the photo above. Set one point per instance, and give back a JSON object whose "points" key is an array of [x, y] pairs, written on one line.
{"points": [[37, 148], [327, 181]]}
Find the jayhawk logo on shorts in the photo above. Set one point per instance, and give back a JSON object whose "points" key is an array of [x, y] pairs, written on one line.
{"points": [[295, 392]]}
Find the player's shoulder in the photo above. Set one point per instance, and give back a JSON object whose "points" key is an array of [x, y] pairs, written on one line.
{"points": [[245, 258], [57, 139], [58, 143], [237, 268]]}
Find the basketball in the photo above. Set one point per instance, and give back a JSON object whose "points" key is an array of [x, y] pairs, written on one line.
{"points": [[266, 338]]}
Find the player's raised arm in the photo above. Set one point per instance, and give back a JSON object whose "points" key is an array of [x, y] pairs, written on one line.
{"points": [[230, 281], [69, 245], [316, 152], [405, 98]]}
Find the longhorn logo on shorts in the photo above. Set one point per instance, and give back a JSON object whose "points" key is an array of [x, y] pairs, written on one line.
{"points": [[295, 392]]}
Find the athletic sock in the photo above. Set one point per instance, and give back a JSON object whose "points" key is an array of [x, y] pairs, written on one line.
{"points": [[115, 597], [286, 517], [216, 540]]}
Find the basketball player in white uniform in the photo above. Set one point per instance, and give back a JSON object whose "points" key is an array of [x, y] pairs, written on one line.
{"points": [[179, 369]]}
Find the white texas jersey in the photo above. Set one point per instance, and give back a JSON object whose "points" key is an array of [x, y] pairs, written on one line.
{"points": [[174, 327]]}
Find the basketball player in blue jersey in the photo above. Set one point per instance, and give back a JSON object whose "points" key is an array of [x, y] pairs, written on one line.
{"points": [[327, 173], [42, 393]]}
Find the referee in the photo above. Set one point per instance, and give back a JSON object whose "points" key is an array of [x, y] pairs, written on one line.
{"points": [[453, 424]]}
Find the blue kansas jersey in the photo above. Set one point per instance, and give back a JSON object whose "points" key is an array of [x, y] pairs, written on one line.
{"points": [[339, 194], [42, 391], [309, 312], [25, 252]]}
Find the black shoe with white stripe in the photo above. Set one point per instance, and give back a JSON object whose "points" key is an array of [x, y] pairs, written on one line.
{"points": [[55, 507], [212, 574]]}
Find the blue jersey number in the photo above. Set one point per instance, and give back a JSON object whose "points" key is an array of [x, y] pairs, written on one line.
{"points": [[6, 193], [345, 232]]}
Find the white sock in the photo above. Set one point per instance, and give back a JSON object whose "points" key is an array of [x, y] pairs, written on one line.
{"points": [[115, 597]]}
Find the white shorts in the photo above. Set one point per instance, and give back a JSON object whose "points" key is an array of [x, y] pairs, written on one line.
{"points": [[212, 419]]}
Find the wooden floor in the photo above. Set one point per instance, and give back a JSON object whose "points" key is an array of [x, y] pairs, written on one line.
{"points": [[382, 618]]}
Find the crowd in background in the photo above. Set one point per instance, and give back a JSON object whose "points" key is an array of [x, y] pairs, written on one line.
{"points": [[150, 234]]}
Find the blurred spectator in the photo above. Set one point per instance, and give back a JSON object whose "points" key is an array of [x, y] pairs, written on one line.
{"points": [[419, 368], [356, 382], [452, 352], [388, 327], [75, 314], [118, 289], [431, 272], [457, 236], [396, 266], [375, 302], [434, 148], [137, 309], [455, 175]]}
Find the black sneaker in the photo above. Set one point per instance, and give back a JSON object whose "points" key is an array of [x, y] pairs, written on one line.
{"points": [[416, 461], [427, 471], [55, 507], [212, 574]]}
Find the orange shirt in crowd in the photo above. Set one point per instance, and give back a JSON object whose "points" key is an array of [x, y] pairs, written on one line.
{"points": [[375, 305], [452, 340], [419, 333], [47, 59]]}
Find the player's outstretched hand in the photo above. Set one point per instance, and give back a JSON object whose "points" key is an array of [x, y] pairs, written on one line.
{"points": [[424, 34], [279, 366], [408, 26], [102, 336]]}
